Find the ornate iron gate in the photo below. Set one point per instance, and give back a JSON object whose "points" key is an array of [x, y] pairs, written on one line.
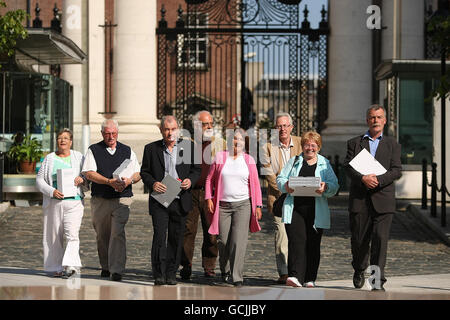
{"points": [[244, 60]]}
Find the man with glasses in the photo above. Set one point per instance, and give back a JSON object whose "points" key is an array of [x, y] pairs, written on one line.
{"points": [[275, 156], [208, 145], [111, 198]]}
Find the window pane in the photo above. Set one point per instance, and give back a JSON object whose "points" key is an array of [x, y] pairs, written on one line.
{"points": [[193, 52], [202, 58], [415, 121]]}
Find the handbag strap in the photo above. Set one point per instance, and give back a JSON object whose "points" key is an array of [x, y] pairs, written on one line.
{"points": [[296, 158]]}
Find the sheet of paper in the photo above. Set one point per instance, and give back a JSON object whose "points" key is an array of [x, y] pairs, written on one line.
{"points": [[304, 186], [173, 189], [365, 164], [65, 182]]}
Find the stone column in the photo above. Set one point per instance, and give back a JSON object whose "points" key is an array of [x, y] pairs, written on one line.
{"points": [[135, 72], [96, 69], [403, 36], [72, 28], [350, 71]]}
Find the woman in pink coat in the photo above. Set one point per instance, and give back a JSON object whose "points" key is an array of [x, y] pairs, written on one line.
{"points": [[234, 202]]}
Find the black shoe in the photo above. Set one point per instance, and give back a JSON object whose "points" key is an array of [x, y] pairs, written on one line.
{"points": [[105, 274], [226, 277], [358, 279], [160, 282], [186, 272], [238, 284], [171, 282], [381, 289], [116, 277]]}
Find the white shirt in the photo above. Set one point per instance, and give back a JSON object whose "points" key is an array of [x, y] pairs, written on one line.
{"points": [[90, 164], [235, 175], [286, 152]]}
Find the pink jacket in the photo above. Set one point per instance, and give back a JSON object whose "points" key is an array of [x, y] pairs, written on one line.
{"points": [[214, 183]]}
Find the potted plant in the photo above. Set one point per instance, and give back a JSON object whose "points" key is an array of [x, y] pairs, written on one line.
{"points": [[26, 153]]}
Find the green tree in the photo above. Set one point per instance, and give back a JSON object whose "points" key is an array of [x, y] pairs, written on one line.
{"points": [[11, 29], [439, 27]]}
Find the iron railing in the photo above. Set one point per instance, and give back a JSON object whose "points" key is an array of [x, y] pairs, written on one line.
{"points": [[434, 190]]}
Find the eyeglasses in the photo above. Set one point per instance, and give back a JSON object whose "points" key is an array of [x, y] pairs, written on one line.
{"points": [[205, 124], [282, 126], [311, 146], [62, 138]]}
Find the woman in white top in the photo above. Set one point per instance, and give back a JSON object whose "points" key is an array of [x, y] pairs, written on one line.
{"points": [[62, 214], [233, 198]]}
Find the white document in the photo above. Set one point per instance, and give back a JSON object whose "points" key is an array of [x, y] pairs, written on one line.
{"points": [[65, 179], [124, 170], [305, 186], [173, 189], [366, 164]]}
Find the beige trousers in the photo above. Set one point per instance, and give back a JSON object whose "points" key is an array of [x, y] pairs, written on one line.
{"points": [[281, 246], [109, 217]]}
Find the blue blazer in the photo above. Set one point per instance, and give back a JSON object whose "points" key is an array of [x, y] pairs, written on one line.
{"points": [[326, 174]]}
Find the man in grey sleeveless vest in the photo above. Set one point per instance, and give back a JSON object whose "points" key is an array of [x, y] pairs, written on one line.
{"points": [[111, 198]]}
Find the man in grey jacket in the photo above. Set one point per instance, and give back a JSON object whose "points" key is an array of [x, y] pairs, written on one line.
{"points": [[372, 198]]}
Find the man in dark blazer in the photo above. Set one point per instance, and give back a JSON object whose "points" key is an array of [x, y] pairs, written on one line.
{"points": [[169, 156], [372, 198]]}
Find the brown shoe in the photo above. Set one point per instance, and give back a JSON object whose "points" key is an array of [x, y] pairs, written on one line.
{"points": [[209, 273], [282, 279]]}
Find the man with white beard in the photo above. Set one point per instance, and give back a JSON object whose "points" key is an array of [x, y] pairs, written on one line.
{"points": [[204, 137]]}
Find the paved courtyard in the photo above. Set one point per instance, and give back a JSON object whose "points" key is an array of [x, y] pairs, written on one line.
{"points": [[413, 248]]}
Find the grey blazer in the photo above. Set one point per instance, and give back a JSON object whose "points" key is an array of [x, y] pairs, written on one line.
{"points": [[383, 196]]}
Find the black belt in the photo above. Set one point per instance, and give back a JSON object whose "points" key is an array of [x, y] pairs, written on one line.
{"points": [[199, 188]]}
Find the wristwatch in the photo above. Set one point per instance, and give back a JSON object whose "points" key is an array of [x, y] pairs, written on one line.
{"points": [[259, 207], [132, 181]]}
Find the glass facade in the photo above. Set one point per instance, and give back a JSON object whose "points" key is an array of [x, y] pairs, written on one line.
{"points": [[36, 104], [415, 120]]}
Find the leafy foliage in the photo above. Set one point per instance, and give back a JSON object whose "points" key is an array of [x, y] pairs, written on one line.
{"points": [[11, 29], [439, 28], [265, 123], [29, 150]]}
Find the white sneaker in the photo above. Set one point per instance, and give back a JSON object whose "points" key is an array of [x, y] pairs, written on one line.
{"points": [[71, 271], [293, 282], [310, 284]]}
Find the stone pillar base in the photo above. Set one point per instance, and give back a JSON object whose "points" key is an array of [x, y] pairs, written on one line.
{"points": [[336, 135]]}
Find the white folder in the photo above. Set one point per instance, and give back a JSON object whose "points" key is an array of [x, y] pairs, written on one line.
{"points": [[65, 179], [305, 186], [366, 164], [126, 170]]}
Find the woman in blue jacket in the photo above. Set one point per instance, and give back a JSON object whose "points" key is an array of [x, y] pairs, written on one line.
{"points": [[306, 217]]}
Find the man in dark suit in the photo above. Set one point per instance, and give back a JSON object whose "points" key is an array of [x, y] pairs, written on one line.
{"points": [[173, 157], [372, 198]]}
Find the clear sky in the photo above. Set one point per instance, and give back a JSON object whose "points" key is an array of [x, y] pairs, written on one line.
{"points": [[314, 7], [273, 50]]}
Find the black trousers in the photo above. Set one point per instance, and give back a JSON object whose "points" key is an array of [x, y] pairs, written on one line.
{"points": [[303, 245], [370, 234], [167, 244]]}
